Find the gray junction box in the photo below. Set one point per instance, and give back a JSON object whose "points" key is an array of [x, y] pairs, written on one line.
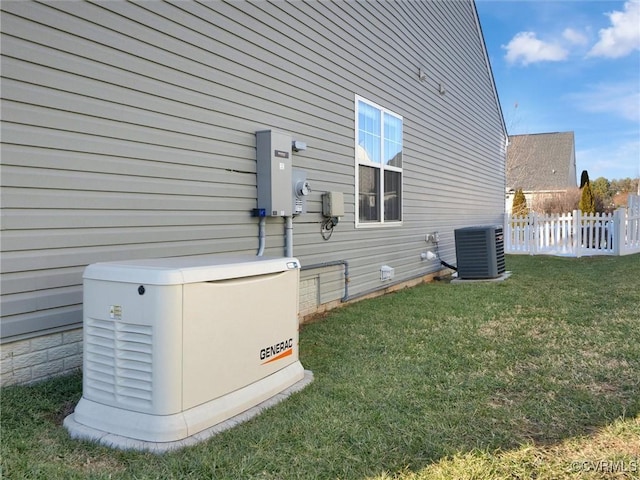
{"points": [[274, 169]]}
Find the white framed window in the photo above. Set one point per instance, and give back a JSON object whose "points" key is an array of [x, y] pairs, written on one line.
{"points": [[378, 135]]}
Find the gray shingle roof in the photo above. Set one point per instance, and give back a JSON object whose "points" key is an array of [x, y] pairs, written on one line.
{"points": [[541, 161]]}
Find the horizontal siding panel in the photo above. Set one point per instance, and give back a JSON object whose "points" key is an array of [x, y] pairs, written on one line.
{"points": [[216, 85], [33, 281], [199, 131], [399, 90], [132, 93], [16, 241], [457, 77], [242, 173], [27, 198], [337, 177], [61, 180], [129, 132], [74, 257], [14, 325], [331, 286], [246, 33], [35, 116], [77, 142], [42, 300], [212, 117]]}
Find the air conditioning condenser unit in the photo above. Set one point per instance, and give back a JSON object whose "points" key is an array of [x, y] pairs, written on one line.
{"points": [[480, 252]]}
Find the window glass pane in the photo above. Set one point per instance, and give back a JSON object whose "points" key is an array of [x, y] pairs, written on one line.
{"points": [[379, 163], [369, 193], [392, 195], [369, 131], [392, 140]]}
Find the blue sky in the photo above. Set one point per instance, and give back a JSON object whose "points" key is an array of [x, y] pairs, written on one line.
{"points": [[571, 65]]}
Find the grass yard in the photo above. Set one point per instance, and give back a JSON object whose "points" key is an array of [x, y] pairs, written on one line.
{"points": [[535, 377]]}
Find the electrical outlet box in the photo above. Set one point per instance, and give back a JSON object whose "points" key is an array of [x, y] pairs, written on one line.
{"points": [[333, 204], [274, 173], [386, 273], [432, 237]]}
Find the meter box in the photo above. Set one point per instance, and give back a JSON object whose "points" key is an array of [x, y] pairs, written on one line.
{"points": [[177, 345], [274, 170], [301, 190]]}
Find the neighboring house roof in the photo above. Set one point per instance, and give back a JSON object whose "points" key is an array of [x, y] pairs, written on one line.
{"points": [[541, 161]]}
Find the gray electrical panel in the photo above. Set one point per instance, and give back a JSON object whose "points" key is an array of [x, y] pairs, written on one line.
{"points": [[274, 169]]}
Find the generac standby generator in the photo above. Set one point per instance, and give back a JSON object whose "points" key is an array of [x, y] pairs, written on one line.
{"points": [[480, 252], [174, 346]]}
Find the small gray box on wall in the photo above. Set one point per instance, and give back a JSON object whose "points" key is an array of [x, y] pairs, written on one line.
{"points": [[333, 204], [274, 171]]}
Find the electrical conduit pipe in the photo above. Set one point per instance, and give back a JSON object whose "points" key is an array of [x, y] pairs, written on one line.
{"points": [[288, 237]]}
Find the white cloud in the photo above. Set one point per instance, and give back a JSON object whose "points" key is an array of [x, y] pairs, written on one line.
{"points": [[618, 99], [574, 37], [526, 48], [623, 37]]}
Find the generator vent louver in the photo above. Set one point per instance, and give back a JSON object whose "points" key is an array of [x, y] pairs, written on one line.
{"points": [[119, 363], [480, 252]]}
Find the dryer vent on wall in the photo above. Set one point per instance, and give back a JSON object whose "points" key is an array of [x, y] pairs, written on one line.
{"points": [[480, 252]]}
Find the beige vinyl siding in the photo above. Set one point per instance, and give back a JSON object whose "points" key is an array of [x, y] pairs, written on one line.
{"points": [[128, 132]]}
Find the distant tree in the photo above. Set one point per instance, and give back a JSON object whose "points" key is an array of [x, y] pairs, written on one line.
{"points": [[519, 206], [587, 200], [601, 188], [584, 178], [608, 194], [624, 185]]}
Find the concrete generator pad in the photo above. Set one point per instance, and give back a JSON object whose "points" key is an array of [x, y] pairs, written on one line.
{"points": [[82, 432]]}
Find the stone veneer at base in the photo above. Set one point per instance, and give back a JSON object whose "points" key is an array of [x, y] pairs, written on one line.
{"points": [[38, 358]]}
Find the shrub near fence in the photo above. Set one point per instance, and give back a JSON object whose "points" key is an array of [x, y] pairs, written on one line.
{"points": [[575, 234]]}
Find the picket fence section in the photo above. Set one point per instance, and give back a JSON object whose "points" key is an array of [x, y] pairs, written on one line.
{"points": [[575, 234], [632, 225]]}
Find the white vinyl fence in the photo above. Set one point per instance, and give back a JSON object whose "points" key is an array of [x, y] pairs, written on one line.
{"points": [[632, 225], [575, 234]]}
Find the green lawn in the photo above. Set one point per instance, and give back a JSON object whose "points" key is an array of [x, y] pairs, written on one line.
{"points": [[534, 377]]}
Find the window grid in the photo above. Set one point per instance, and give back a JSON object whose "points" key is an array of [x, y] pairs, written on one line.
{"points": [[378, 165]]}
